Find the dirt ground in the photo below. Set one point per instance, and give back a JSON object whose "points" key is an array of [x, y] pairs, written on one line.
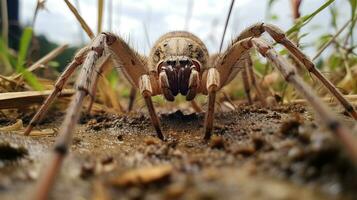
{"points": [[256, 153]]}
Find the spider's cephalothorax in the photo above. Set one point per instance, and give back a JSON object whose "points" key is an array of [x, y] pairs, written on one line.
{"points": [[179, 58]]}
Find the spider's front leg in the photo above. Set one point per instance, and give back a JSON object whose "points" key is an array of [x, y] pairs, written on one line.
{"points": [[134, 68], [225, 67], [279, 36]]}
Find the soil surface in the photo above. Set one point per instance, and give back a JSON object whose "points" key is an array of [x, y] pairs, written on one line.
{"points": [[255, 153]]}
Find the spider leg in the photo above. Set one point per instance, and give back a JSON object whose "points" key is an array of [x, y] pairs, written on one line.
{"points": [[246, 83], [61, 81], [291, 76], [134, 69], [146, 90], [279, 36], [212, 86], [131, 98], [239, 49], [101, 67]]}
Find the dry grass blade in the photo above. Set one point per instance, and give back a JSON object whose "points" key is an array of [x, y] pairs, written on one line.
{"points": [[24, 99], [226, 25], [40, 5], [333, 38], [80, 19], [44, 60], [5, 21], [350, 98], [100, 15]]}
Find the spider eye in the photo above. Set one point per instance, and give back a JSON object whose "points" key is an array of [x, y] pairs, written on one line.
{"points": [[184, 62]]}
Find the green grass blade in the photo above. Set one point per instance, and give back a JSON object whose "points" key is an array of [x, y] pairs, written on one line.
{"points": [[25, 42], [5, 56], [305, 19]]}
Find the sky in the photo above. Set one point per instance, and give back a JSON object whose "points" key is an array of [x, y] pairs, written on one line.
{"points": [[131, 18]]}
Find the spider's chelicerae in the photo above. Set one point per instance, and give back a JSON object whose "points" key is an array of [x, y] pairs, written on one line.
{"points": [[179, 63]]}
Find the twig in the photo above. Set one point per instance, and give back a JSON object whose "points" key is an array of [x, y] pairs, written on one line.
{"points": [[47, 58], [100, 15], [332, 39], [24, 99], [5, 22], [226, 25], [80, 19]]}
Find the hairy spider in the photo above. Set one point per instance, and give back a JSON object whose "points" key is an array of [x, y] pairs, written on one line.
{"points": [[179, 63]]}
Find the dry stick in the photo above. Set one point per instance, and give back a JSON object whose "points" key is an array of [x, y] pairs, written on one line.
{"points": [[332, 39], [5, 22], [291, 76], [47, 58], [91, 35], [226, 25], [76, 2], [39, 5], [328, 100], [100, 16], [251, 75], [80, 19], [9, 100], [61, 147], [64, 140], [61, 81], [279, 36]]}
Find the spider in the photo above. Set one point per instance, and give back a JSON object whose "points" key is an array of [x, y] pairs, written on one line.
{"points": [[179, 63]]}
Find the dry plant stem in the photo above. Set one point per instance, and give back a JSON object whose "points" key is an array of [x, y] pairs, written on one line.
{"points": [[291, 76], [328, 100], [5, 22], [47, 58], [251, 76], [63, 141], [279, 36], [131, 98], [10, 100], [100, 16], [48, 178], [246, 84], [61, 81], [80, 19], [84, 85], [332, 39], [226, 25]]}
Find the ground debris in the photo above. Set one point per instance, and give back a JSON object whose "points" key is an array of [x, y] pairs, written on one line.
{"points": [[143, 176], [12, 152]]}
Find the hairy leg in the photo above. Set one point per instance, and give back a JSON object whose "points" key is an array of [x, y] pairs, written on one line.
{"points": [[279, 36], [61, 81]]}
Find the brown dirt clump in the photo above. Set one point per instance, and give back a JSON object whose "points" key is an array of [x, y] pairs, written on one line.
{"points": [[256, 153]]}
